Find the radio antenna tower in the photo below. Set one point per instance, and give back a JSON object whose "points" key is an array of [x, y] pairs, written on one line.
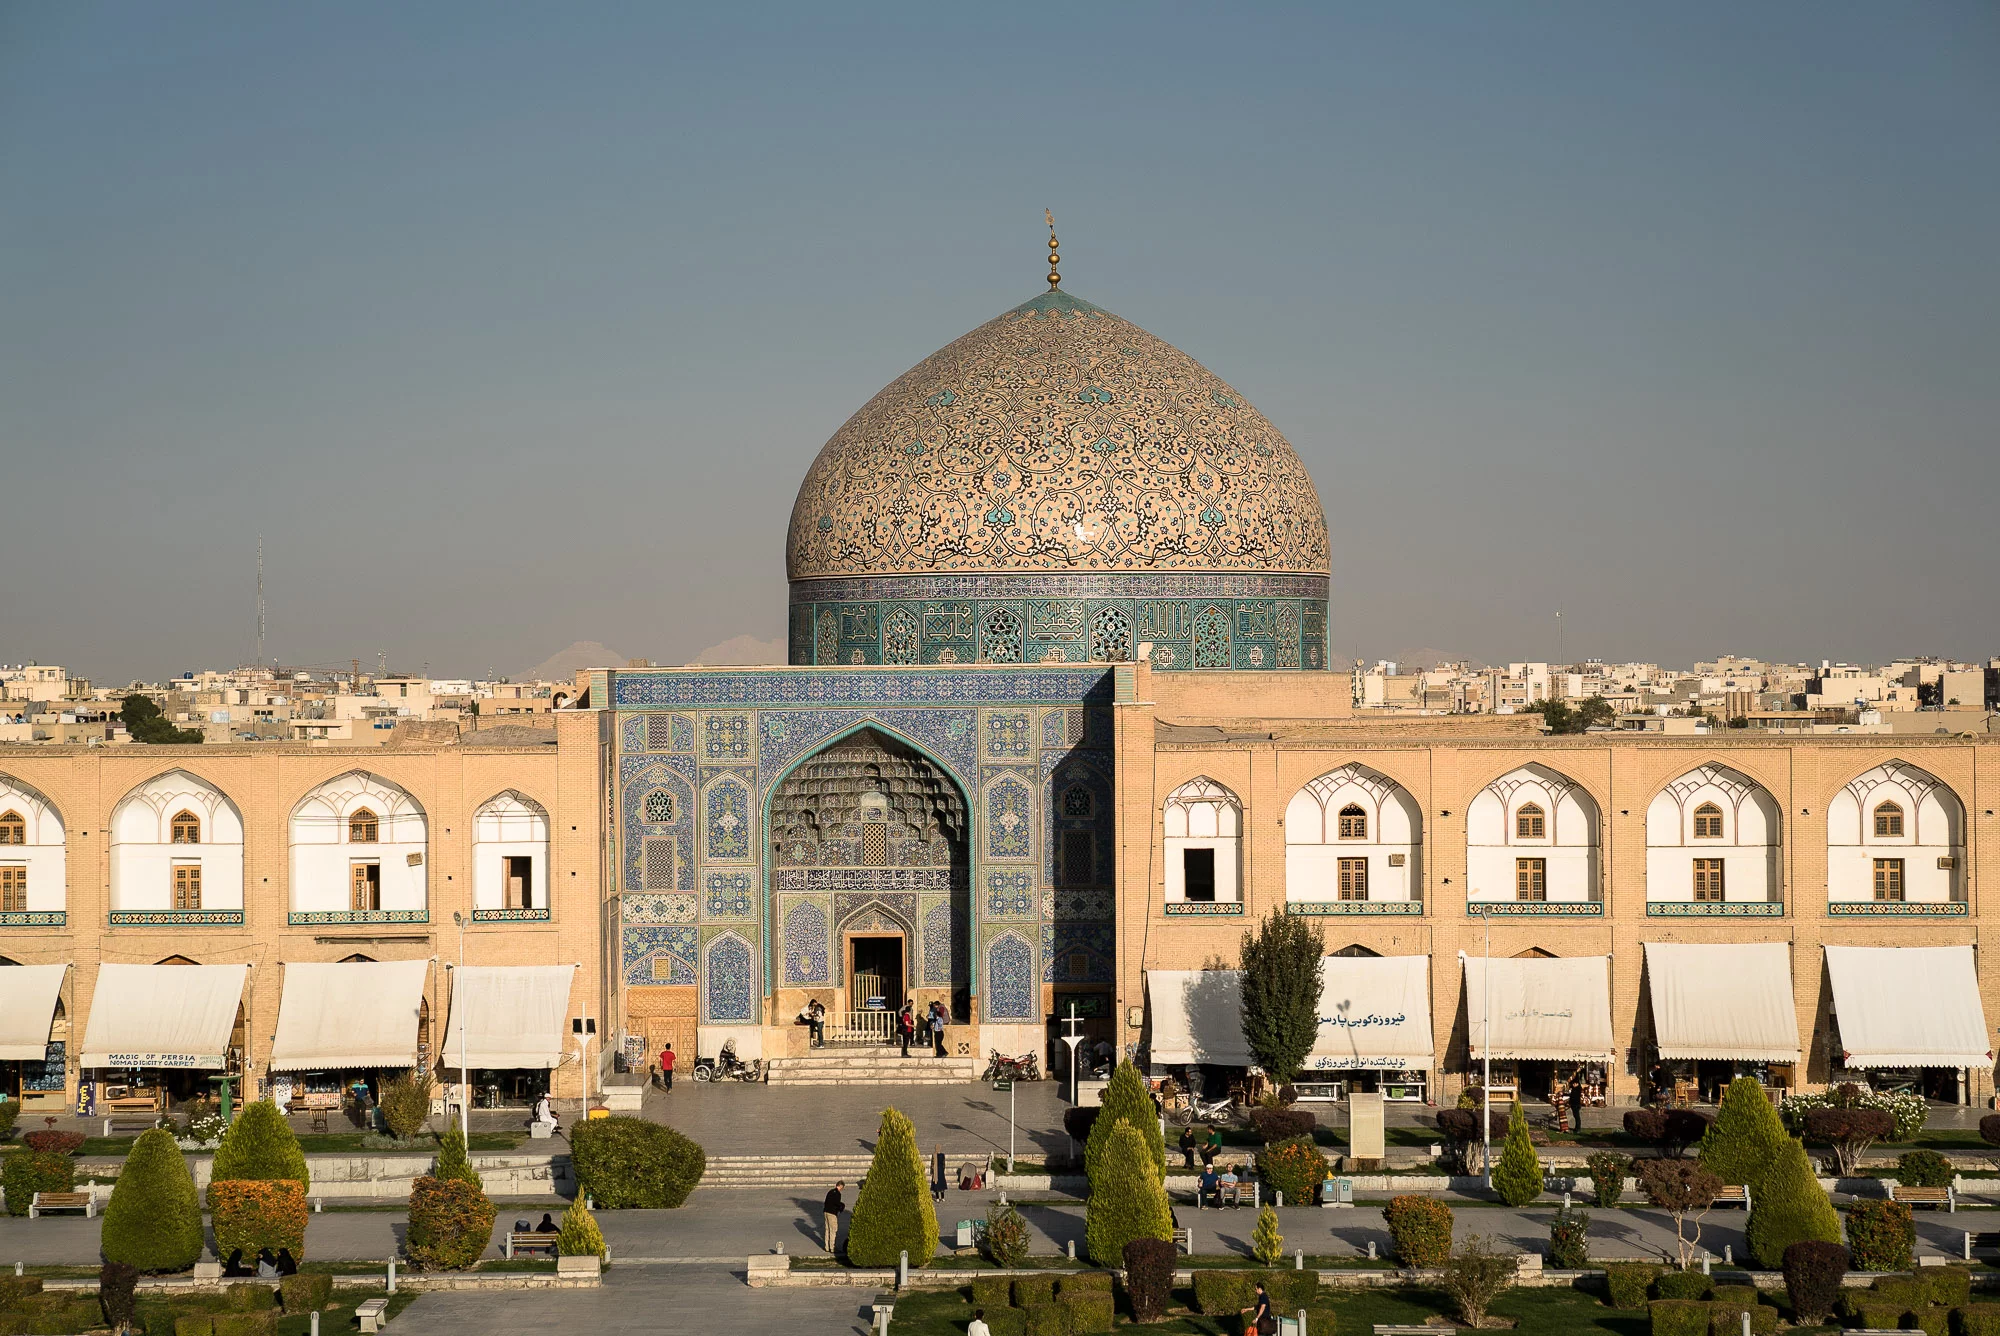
{"points": [[260, 600]]}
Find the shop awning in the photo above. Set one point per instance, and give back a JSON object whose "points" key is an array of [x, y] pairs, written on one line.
{"points": [[1908, 1006], [1197, 1017], [28, 996], [1547, 1008], [163, 1015], [350, 1014], [1374, 1012], [515, 1015], [1729, 1001]]}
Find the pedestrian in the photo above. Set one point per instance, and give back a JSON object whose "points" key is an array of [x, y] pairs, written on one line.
{"points": [[978, 1327], [937, 1029], [816, 1022], [1576, 1102], [548, 1225], [1188, 1144], [667, 1065], [832, 1209], [906, 1028], [1657, 1078], [937, 1175], [1262, 1320]]}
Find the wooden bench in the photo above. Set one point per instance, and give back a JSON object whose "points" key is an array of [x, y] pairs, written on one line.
{"points": [[1735, 1194], [319, 1104], [372, 1314], [62, 1201], [1981, 1241], [1944, 1197], [525, 1240], [129, 1103]]}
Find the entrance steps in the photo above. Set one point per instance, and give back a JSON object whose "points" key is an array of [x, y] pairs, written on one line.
{"points": [[803, 1173], [832, 1066]]}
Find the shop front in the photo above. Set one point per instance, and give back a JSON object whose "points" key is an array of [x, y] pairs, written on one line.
{"points": [[344, 1028], [1196, 1028], [1374, 1029], [1720, 1011], [1907, 1018], [157, 1034], [1545, 1023], [506, 1029], [33, 1028]]}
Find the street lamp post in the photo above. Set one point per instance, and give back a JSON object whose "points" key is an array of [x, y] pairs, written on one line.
{"points": [[1486, 1051], [464, 1082]]}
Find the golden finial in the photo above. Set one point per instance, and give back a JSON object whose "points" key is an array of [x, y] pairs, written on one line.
{"points": [[1055, 278]]}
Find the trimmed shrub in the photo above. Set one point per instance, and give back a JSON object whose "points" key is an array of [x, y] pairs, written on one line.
{"points": [[16, 1289], [1125, 1100], [1005, 1241], [1726, 1319], [1873, 1313], [53, 1315], [450, 1224], [153, 1220], [53, 1143], [1932, 1320], [989, 1291], [1813, 1270], [195, 1324], [246, 1324], [1607, 1177], [1295, 1168], [1027, 1291], [1007, 1321], [1460, 1130], [406, 1104], [579, 1235], [254, 1215], [1127, 1199], [305, 1293], [1745, 1138], [1267, 1245], [1149, 1278], [1949, 1285], [1419, 1229], [1083, 1282], [1682, 1285], [1909, 1291], [1924, 1169], [1079, 1120], [1628, 1283], [1518, 1175], [1881, 1235], [1672, 1130], [629, 1163], [1569, 1240], [10, 1113], [452, 1161], [1989, 1129], [1977, 1320], [1792, 1207], [249, 1296], [1049, 1319], [1088, 1313], [259, 1146], [1678, 1317], [1744, 1296], [1217, 1291], [893, 1214], [1850, 1132], [1283, 1124], [27, 1173], [117, 1294]]}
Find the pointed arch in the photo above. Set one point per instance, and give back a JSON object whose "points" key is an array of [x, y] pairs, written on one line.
{"points": [[1533, 834], [510, 857], [1895, 834], [33, 856], [338, 872], [1353, 834], [1203, 819], [176, 847], [1712, 836]]}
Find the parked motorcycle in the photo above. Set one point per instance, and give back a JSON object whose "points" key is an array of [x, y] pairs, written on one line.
{"points": [[726, 1066], [1000, 1067], [1186, 1112]]}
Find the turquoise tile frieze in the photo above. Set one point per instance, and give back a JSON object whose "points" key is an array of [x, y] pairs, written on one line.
{"points": [[1897, 909], [1355, 908], [510, 916], [1203, 909], [34, 918], [1535, 909], [150, 918], [1715, 909], [315, 917]]}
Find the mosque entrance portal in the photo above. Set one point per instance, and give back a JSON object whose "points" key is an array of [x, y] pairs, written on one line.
{"points": [[875, 971]]}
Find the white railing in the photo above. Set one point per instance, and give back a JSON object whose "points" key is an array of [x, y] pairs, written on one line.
{"points": [[863, 1027]]}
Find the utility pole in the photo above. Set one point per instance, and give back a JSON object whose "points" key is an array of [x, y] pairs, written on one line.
{"points": [[260, 600]]}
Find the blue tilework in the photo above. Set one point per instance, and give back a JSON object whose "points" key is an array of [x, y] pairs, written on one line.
{"points": [[806, 945], [728, 984], [1009, 824], [656, 953], [1011, 993], [938, 944], [727, 818], [729, 896], [1007, 894]]}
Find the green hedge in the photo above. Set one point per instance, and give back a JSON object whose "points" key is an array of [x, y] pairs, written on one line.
{"points": [[305, 1293], [1008, 1321], [1678, 1317], [1027, 1291], [15, 1289], [253, 1215], [1682, 1285], [626, 1163], [28, 1172], [52, 1315], [1088, 1313], [450, 1224], [247, 1324], [1882, 1235], [1050, 1319], [1419, 1228], [1083, 1282], [1977, 1320], [153, 1220], [1949, 1285], [259, 1145], [1629, 1284], [991, 1291]]}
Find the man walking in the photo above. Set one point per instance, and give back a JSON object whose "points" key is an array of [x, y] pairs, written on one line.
{"points": [[832, 1209], [906, 1026], [937, 1029], [667, 1065]]}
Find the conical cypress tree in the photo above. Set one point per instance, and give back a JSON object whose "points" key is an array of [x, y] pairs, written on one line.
{"points": [[580, 1236], [1126, 1100], [1128, 1199], [1746, 1139], [259, 1145], [1518, 1175], [153, 1220], [894, 1211], [451, 1158], [1267, 1245], [1790, 1208]]}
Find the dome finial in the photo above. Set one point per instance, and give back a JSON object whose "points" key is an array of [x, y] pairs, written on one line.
{"points": [[1055, 278]]}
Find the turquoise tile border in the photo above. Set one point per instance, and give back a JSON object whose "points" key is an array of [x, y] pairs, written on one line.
{"points": [[1714, 909], [1897, 909], [1535, 909], [148, 918], [34, 918], [1363, 908], [314, 917], [1203, 909], [510, 916]]}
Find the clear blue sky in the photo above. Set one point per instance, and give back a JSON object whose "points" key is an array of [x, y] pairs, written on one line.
{"points": [[512, 325]]}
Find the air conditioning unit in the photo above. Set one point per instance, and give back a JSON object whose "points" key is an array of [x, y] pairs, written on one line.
{"points": [[1397, 860], [415, 860], [1947, 862]]}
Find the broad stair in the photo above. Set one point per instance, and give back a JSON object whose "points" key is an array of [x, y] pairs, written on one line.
{"points": [[845, 1066], [813, 1173]]}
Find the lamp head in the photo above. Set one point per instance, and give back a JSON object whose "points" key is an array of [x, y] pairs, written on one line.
{"points": [[458, 918]]}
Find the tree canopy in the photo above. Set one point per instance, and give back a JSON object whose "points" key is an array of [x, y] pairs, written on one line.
{"points": [[1281, 970], [146, 723]]}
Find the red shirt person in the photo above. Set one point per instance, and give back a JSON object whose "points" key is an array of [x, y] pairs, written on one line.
{"points": [[667, 1066]]}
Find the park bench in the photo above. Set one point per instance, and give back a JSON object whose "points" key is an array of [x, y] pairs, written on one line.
{"points": [[525, 1241], [372, 1314], [1981, 1241], [113, 1126], [62, 1201], [123, 1099], [319, 1104], [1944, 1197], [1391, 1329], [1733, 1194]]}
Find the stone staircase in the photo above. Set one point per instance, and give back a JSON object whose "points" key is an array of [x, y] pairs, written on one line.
{"points": [[786, 1173], [832, 1066]]}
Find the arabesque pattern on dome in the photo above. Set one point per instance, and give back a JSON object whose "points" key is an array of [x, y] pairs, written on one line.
{"points": [[1056, 438]]}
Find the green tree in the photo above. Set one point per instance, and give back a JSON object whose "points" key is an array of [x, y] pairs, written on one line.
{"points": [[1557, 717], [1518, 1175], [1593, 713], [146, 723], [153, 1220], [1790, 1208], [1281, 969], [893, 1213], [260, 1145], [1267, 1245], [1125, 1101], [1746, 1137], [1128, 1199], [580, 1236], [452, 1162]]}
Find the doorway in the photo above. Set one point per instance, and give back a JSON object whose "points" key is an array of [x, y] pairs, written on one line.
{"points": [[874, 971], [519, 878]]}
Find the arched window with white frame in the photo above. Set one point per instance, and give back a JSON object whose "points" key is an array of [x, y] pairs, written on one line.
{"points": [[1531, 836], [1204, 838], [359, 845], [1712, 839], [1895, 835], [176, 848], [1352, 836], [510, 858], [33, 868]]}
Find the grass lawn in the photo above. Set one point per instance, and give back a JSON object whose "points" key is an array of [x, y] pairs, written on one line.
{"points": [[323, 1143], [156, 1315]]}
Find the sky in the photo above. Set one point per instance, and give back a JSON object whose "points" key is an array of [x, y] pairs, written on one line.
{"points": [[512, 325]]}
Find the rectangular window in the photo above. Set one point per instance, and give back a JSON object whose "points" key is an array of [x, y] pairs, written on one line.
{"points": [[13, 890], [1078, 857], [875, 845], [1354, 879], [1708, 880], [519, 877], [1888, 879], [365, 886], [187, 886], [1531, 879], [1198, 874], [658, 860]]}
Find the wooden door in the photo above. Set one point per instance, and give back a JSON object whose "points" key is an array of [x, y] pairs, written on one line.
{"points": [[367, 886], [677, 1030], [187, 886]]}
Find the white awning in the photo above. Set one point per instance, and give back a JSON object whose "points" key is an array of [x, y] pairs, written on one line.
{"points": [[1553, 1009], [1374, 1012], [1723, 1001], [1908, 1006], [515, 1015], [28, 996], [1197, 1017], [163, 1015], [350, 1014]]}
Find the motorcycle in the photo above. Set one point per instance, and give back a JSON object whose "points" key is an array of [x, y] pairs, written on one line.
{"points": [[726, 1066], [1000, 1067], [1194, 1109]]}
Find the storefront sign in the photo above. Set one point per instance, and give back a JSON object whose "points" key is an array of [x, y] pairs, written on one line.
{"points": [[184, 1060], [1363, 1022]]}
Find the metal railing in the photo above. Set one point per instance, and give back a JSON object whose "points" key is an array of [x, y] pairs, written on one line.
{"points": [[863, 1027]]}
